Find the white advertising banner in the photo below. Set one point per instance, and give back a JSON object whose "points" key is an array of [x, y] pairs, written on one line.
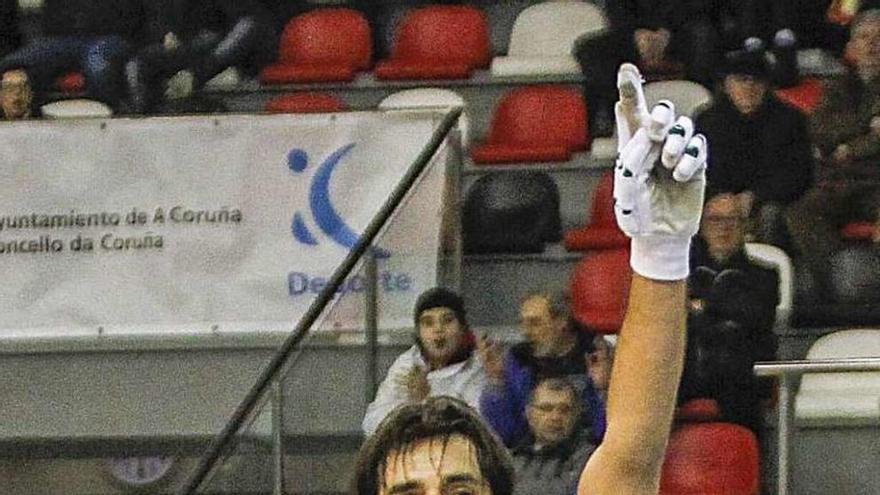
{"points": [[208, 224]]}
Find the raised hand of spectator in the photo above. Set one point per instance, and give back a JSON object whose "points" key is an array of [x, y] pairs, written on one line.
{"points": [[842, 155], [652, 45], [493, 359], [415, 383], [598, 364], [658, 207], [170, 42], [875, 126]]}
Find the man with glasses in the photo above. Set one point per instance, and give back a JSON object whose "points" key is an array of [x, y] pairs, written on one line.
{"points": [[551, 458], [553, 348], [16, 96], [732, 303]]}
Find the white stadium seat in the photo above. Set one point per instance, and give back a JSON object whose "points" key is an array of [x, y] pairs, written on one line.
{"points": [[841, 399], [76, 109], [544, 35], [426, 98], [772, 257]]}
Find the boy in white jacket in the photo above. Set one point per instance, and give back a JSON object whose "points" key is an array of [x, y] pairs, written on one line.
{"points": [[441, 362]]}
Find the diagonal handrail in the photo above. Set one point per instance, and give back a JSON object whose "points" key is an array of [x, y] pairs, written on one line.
{"points": [[221, 441]]}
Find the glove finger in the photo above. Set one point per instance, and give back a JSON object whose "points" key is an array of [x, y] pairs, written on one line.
{"points": [[629, 173], [662, 118], [679, 135], [633, 157], [631, 110], [693, 161]]}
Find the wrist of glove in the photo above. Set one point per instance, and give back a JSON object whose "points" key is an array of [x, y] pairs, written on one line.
{"points": [[660, 257]]}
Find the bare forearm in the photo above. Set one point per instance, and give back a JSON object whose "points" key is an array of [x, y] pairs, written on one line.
{"points": [[642, 394]]}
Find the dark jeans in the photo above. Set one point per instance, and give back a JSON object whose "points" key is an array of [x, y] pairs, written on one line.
{"points": [[100, 59], [250, 42]]}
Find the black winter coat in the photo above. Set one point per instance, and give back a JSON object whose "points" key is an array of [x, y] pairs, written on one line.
{"points": [[768, 153]]}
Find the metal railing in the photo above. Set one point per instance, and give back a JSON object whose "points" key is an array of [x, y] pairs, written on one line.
{"points": [[787, 372], [271, 374]]}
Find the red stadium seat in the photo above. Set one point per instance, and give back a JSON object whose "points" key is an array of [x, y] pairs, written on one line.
{"points": [[806, 96], [858, 231], [438, 42], [602, 232], [305, 103], [536, 124], [698, 410], [71, 83], [711, 459], [600, 288], [324, 45]]}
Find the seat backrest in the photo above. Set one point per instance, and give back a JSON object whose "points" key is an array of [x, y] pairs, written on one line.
{"points": [[844, 344], [689, 97], [540, 116], [716, 458], [426, 98], [599, 289], [602, 208], [551, 28], [327, 35], [444, 33], [772, 257], [511, 212]]}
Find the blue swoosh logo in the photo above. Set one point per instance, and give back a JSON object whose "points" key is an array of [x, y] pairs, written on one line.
{"points": [[326, 216]]}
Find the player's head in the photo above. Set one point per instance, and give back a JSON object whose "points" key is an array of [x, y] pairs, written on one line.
{"points": [[863, 48], [442, 332], [436, 446], [15, 94], [544, 319], [723, 225], [553, 411], [746, 79]]}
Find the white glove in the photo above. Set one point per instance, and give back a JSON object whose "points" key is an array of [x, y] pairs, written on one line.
{"points": [[659, 208]]}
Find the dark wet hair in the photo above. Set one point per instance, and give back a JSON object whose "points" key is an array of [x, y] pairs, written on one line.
{"points": [[439, 418]]}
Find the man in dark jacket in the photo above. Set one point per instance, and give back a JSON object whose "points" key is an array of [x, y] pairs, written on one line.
{"points": [[732, 312], [90, 36], [760, 145], [551, 458], [10, 37], [553, 349]]}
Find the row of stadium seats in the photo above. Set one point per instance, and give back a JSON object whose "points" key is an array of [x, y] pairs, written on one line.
{"points": [[432, 42]]}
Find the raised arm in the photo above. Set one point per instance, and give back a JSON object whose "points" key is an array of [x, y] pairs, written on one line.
{"points": [[659, 208]]}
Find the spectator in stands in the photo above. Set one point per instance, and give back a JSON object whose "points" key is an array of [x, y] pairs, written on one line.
{"points": [[553, 349], [199, 40], [760, 145], [550, 460], [90, 36], [10, 36], [16, 96], [847, 139], [720, 246], [660, 37], [438, 446], [441, 362], [647, 33], [732, 312]]}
